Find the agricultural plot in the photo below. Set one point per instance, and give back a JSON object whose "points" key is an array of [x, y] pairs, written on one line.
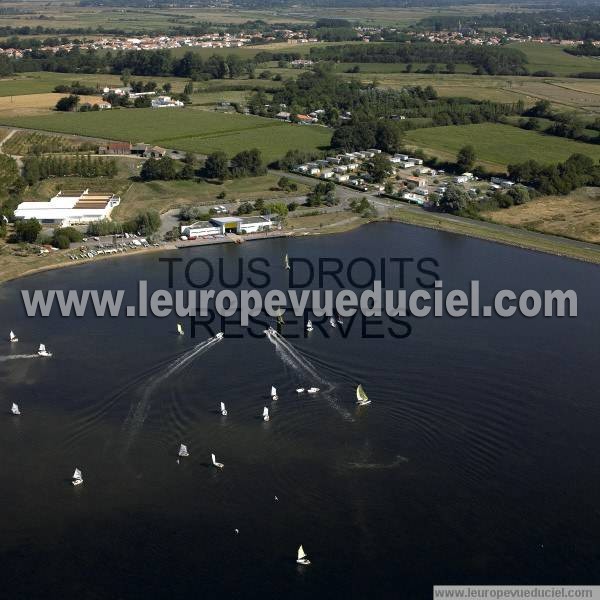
{"points": [[575, 216], [185, 129], [497, 145], [33, 104], [546, 57], [26, 142]]}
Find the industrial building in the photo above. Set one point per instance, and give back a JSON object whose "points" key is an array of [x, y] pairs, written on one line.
{"points": [[69, 208]]}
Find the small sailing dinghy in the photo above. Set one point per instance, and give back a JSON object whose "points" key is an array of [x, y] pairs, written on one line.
{"points": [[179, 328], [219, 335], [299, 390], [280, 320], [339, 319], [183, 451], [274, 395], [302, 557], [361, 396], [313, 390], [43, 352], [223, 409], [77, 479], [266, 414], [13, 338], [332, 322], [15, 409], [309, 325], [286, 262], [215, 463]]}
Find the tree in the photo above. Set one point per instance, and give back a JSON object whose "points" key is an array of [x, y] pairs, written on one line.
{"points": [[27, 230], [68, 103], [247, 163], [465, 159], [167, 87], [125, 76], [142, 102], [379, 168], [9, 172], [216, 166], [454, 200], [189, 88]]}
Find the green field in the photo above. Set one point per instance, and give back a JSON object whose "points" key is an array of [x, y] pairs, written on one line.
{"points": [[186, 129], [546, 57], [497, 145]]}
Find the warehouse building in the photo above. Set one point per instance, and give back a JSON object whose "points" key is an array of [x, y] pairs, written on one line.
{"points": [[69, 208]]}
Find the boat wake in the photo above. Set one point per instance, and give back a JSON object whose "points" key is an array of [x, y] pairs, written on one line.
{"points": [[16, 356], [140, 410], [303, 367], [399, 460]]}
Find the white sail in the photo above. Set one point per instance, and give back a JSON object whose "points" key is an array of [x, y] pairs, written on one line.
{"points": [[215, 463], [287, 261], [273, 391], [223, 409], [15, 409], [332, 322], [265, 413], [77, 475], [42, 348], [13, 337], [309, 325], [301, 553], [183, 451], [361, 395], [179, 328]]}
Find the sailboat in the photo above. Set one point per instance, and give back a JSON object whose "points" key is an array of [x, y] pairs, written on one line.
{"points": [[219, 335], [309, 325], [183, 451], [274, 395], [313, 390], [223, 409], [299, 390], [339, 319], [13, 338], [215, 463], [332, 322], [361, 396], [43, 352], [15, 409], [280, 320], [77, 479], [266, 414], [179, 328], [302, 557], [286, 262]]}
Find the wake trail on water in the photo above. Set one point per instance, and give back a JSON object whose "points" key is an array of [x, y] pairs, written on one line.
{"points": [[139, 411], [303, 367], [16, 356]]}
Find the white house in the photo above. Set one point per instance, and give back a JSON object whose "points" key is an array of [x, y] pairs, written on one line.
{"points": [[69, 208], [166, 102], [341, 177]]}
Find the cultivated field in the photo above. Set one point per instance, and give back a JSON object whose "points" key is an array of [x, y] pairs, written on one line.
{"points": [[34, 104], [497, 145], [26, 142], [186, 129], [547, 57], [575, 216]]}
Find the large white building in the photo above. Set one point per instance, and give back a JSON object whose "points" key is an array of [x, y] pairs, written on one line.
{"points": [[222, 225], [69, 208]]}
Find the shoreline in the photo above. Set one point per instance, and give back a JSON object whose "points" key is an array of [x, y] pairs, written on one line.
{"points": [[507, 236]]}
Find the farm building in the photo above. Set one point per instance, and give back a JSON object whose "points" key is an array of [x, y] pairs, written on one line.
{"points": [[166, 102], [69, 208], [115, 148]]}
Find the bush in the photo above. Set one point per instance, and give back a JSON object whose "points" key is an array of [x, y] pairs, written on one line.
{"points": [[27, 231]]}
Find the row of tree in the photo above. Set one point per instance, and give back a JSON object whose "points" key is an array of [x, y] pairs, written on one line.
{"points": [[36, 168]]}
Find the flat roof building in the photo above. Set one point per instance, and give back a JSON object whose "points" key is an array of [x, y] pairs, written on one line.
{"points": [[69, 208]]}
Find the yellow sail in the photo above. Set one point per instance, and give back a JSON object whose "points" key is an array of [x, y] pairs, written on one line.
{"points": [[361, 396]]}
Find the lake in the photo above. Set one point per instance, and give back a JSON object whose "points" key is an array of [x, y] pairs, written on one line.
{"points": [[478, 460]]}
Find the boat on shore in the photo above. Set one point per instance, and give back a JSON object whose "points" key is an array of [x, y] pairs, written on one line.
{"points": [[13, 338], [43, 352]]}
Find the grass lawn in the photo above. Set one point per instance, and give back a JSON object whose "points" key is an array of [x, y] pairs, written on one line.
{"points": [[497, 145], [547, 57], [165, 195], [186, 129], [575, 216]]}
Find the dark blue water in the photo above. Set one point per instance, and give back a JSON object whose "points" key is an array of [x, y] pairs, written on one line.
{"points": [[478, 460]]}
